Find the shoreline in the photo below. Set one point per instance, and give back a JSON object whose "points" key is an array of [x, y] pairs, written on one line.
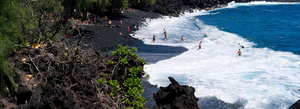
{"points": [[210, 102], [101, 37], [111, 42], [112, 38]]}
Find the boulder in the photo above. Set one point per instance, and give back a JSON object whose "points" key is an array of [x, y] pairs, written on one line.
{"points": [[296, 105], [176, 96]]}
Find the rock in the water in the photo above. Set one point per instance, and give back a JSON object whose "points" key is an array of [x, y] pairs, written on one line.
{"points": [[296, 105], [176, 96]]}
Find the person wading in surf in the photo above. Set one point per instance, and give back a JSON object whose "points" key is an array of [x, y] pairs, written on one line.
{"points": [[200, 44], [154, 38], [241, 45], [239, 52], [182, 40], [165, 33]]}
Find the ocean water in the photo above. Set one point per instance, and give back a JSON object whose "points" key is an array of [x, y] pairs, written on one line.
{"points": [[265, 76]]}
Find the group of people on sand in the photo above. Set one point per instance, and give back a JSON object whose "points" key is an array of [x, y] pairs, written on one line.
{"points": [[82, 20], [121, 26], [76, 22]]}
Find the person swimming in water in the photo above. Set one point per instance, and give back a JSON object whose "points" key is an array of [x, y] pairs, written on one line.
{"points": [[241, 45]]}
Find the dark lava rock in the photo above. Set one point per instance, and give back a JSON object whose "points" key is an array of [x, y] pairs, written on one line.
{"points": [[296, 105], [23, 95], [176, 96], [171, 7], [2, 105]]}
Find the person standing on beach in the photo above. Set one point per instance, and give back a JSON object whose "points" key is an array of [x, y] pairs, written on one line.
{"points": [[165, 33], [200, 44], [239, 52], [154, 38], [128, 29], [182, 40], [121, 22], [109, 23]]}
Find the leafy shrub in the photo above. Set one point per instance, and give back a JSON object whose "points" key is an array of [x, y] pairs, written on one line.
{"points": [[142, 61], [147, 76], [132, 84], [109, 62], [101, 80], [124, 60], [116, 85]]}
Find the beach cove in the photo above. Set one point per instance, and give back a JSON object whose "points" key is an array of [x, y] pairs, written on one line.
{"points": [[219, 78]]}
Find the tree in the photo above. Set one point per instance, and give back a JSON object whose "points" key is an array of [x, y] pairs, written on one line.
{"points": [[13, 23], [26, 21]]}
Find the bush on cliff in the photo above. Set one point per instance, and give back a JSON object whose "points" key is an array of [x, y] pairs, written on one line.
{"points": [[109, 5], [124, 74], [12, 24]]}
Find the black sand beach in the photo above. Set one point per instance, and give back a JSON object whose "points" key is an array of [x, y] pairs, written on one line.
{"points": [[106, 39]]}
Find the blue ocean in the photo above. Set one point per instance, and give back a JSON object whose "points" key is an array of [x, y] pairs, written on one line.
{"points": [[265, 76]]}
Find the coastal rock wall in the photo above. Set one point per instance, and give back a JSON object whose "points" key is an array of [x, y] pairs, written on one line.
{"points": [[175, 7], [171, 7]]}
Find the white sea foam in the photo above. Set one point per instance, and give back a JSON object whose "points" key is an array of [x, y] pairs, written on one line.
{"points": [[233, 4], [261, 77]]}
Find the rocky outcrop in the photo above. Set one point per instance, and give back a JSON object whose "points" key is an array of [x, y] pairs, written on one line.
{"points": [[175, 7], [176, 96], [68, 77], [296, 105]]}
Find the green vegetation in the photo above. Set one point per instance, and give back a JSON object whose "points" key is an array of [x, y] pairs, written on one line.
{"points": [[26, 22], [109, 62], [109, 5], [116, 85], [131, 82], [147, 76], [124, 60], [12, 24], [142, 61], [101, 80], [134, 94], [20, 23]]}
